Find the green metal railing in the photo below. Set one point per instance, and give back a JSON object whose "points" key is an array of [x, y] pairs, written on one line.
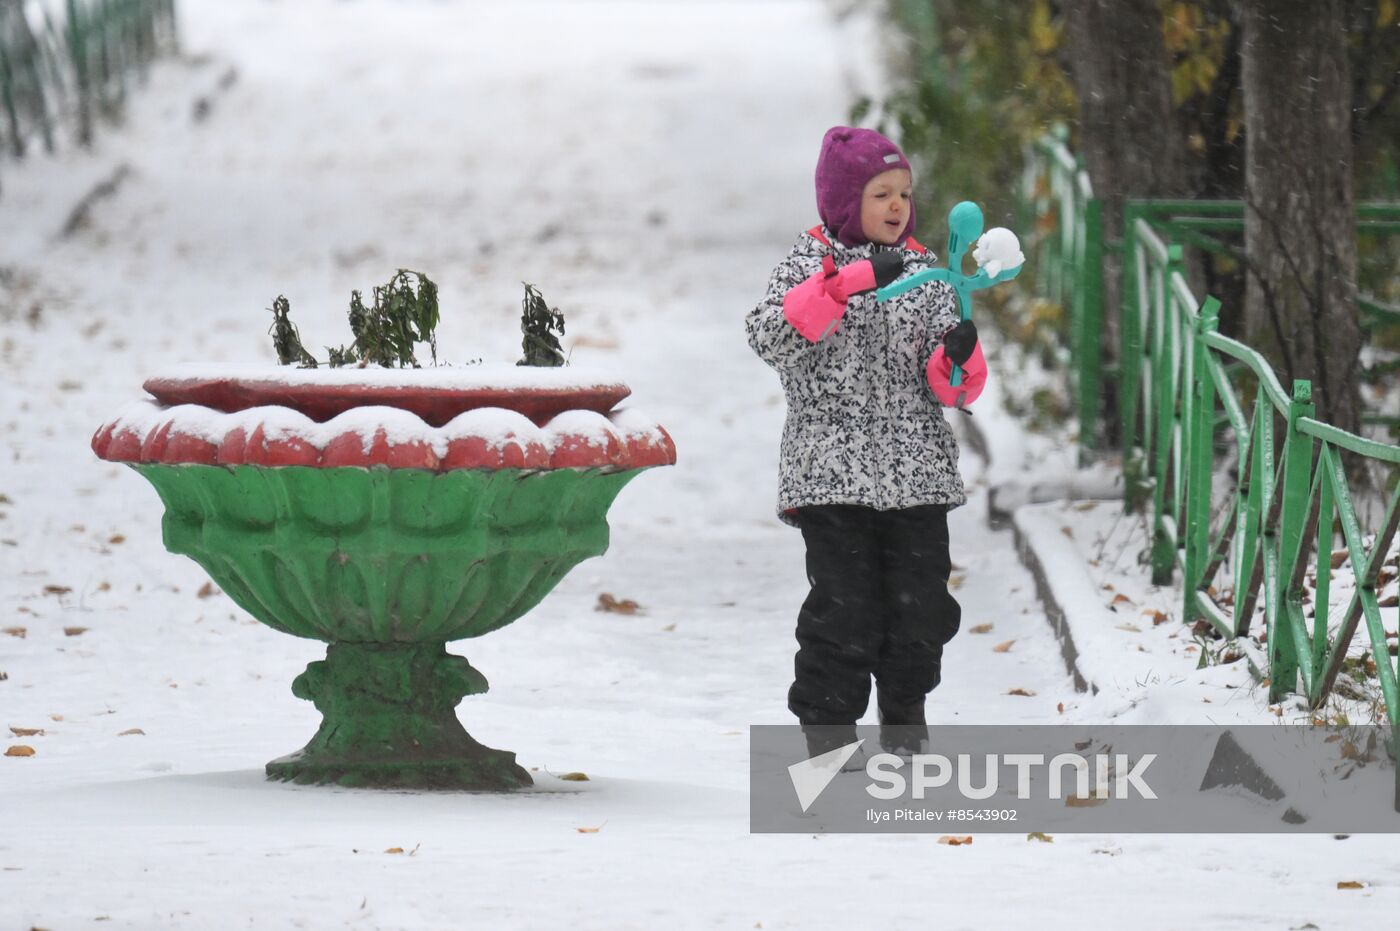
{"points": [[65, 74], [1290, 488], [1067, 242], [1248, 490]]}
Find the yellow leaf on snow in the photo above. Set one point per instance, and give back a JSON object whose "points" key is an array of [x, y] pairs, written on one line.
{"points": [[19, 750], [606, 602], [1350, 884], [74, 631], [27, 731], [1019, 691], [20, 632], [1040, 836], [1003, 647], [207, 590], [980, 629], [1121, 600], [394, 850], [953, 841], [1083, 801], [574, 777], [589, 830]]}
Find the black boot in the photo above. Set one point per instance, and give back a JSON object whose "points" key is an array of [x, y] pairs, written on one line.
{"points": [[824, 738], [903, 729]]}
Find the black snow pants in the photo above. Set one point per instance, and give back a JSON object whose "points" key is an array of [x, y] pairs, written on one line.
{"points": [[879, 606]]}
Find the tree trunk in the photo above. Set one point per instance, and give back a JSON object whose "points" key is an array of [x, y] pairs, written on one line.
{"points": [[1300, 224], [1127, 136]]}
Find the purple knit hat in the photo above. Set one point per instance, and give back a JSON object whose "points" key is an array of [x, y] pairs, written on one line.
{"points": [[850, 157]]}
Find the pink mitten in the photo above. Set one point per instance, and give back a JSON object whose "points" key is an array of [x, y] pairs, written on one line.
{"points": [[974, 377]]}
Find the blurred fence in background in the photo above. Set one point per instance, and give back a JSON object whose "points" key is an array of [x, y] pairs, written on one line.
{"points": [[68, 65]]}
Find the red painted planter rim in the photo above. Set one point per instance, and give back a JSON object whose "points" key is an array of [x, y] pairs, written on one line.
{"points": [[482, 438], [434, 394]]}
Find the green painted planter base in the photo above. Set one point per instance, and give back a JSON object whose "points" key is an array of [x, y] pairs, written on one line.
{"points": [[390, 721], [387, 566]]}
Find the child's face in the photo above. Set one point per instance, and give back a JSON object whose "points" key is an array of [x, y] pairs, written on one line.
{"points": [[884, 205]]}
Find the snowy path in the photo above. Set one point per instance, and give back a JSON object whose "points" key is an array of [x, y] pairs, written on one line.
{"points": [[645, 165]]}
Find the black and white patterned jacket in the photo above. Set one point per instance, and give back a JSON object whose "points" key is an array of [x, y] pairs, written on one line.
{"points": [[862, 425]]}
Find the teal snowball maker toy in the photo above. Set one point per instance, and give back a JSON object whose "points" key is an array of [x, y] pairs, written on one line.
{"points": [[998, 256]]}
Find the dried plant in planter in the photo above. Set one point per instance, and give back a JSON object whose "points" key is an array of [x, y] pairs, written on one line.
{"points": [[285, 338], [404, 313], [542, 326]]}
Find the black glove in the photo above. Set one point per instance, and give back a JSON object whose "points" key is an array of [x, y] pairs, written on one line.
{"points": [[888, 265], [959, 342]]}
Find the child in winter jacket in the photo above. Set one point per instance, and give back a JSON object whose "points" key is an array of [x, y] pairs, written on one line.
{"points": [[868, 467]]}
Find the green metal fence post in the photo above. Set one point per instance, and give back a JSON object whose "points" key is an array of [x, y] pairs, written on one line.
{"points": [[7, 97], [1088, 295], [1297, 480], [77, 48], [1163, 372], [1130, 366], [1200, 456]]}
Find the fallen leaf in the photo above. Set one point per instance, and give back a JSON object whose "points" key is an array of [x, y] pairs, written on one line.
{"points": [[589, 830], [1389, 601], [1060, 707], [574, 777], [1086, 505], [74, 631], [955, 581], [104, 586], [1339, 557], [1003, 647], [1019, 691], [19, 632], [27, 731], [116, 538], [980, 629], [594, 342], [1158, 617], [1350, 884], [57, 589], [132, 731], [952, 841], [55, 717], [1040, 836], [394, 850], [1121, 600], [1130, 628], [1082, 801], [1067, 532], [207, 590], [19, 750], [606, 602]]}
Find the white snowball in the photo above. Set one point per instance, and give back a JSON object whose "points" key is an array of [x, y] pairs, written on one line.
{"points": [[997, 250]]}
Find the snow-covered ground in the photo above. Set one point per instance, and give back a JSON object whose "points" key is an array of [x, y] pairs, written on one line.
{"points": [[645, 164]]}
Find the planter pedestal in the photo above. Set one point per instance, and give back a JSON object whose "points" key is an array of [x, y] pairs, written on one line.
{"points": [[390, 720]]}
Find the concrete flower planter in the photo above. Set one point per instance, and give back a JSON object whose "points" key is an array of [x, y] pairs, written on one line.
{"points": [[386, 512]]}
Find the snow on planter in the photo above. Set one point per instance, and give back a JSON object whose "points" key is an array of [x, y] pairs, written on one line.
{"points": [[395, 426]]}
